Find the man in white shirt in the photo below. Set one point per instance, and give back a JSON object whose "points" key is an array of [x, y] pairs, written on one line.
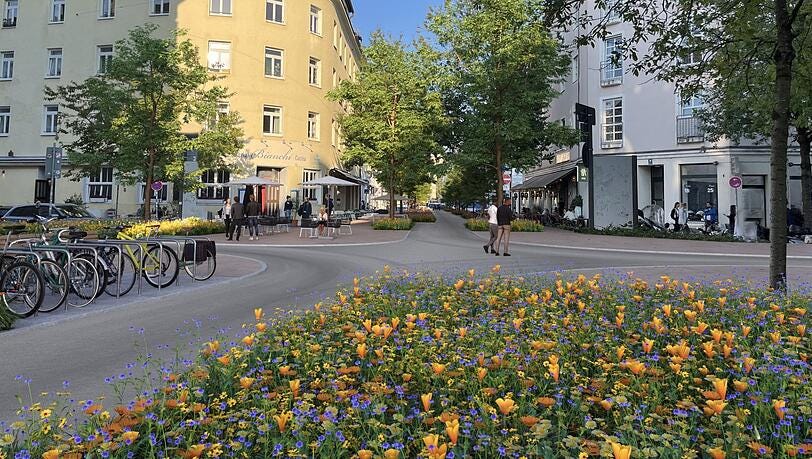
{"points": [[493, 226]]}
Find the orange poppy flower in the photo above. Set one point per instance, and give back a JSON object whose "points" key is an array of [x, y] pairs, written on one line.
{"points": [[621, 451], [426, 399], [505, 405]]}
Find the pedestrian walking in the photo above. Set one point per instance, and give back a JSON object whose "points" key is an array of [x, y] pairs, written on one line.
{"points": [[504, 215], [237, 218], [252, 215], [683, 217], [225, 214], [675, 216], [731, 220], [711, 216], [493, 227], [288, 207], [330, 206]]}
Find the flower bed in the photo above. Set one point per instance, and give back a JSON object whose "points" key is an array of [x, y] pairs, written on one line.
{"points": [[519, 225], [393, 224], [408, 366], [191, 226], [426, 216], [644, 232]]}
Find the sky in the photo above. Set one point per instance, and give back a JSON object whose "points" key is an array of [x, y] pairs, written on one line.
{"points": [[394, 17]]}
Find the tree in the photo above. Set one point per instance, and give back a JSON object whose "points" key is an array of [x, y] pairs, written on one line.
{"points": [[501, 68], [739, 106], [395, 116], [467, 184], [132, 115], [700, 31]]}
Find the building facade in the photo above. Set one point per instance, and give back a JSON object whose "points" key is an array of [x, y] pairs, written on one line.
{"points": [[640, 117], [279, 58]]}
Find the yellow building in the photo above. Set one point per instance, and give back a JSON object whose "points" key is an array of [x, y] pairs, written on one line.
{"points": [[278, 57]]}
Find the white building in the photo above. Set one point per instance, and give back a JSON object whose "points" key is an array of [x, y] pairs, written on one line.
{"points": [[638, 116]]}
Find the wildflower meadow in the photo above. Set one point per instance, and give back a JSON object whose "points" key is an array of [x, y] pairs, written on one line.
{"points": [[486, 365]]}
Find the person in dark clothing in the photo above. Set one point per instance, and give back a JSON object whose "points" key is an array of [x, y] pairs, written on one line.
{"points": [[330, 206], [675, 216], [288, 207], [306, 209], [504, 215], [225, 214], [237, 218], [731, 220], [252, 215]]}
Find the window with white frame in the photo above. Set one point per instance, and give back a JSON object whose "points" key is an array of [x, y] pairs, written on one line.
{"points": [[309, 175], [312, 126], [5, 119], [689, 105], [159, 7], [220, 7], [612, 123], [271, 120], [104, 56], [100, 185], [574, 69], [314, 72], [107, 9], [335, 35], [273, 62], [6, 65], [10, 13], [57, 11], [219, 55], [689, 57], [315, 19], [50, 119], [275, 11], [612, 67], [213, 181], [612, 11], [54, 69]]}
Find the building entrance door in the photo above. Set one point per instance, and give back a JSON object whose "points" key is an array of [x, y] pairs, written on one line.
{"points": [[42, 191]]}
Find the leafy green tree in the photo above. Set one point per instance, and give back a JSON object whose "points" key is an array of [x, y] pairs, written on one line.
{"points": [[395, 116], [501, 68], [667, 35], [467, 184], [132, 116]]}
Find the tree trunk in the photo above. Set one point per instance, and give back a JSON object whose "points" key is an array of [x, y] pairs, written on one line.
{"points": [[392, 190], [150, 176], [498, 151], [804, 141], [783, 57]]}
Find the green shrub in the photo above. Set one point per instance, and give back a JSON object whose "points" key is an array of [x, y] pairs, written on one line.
{"points": [[519, 226], [645, 232], [393, 224], [6, 318], [422, 216]]}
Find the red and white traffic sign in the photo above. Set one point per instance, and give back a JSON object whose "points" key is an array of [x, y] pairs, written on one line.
{"points": [[735, 182], [157, 185], [506, 177]]}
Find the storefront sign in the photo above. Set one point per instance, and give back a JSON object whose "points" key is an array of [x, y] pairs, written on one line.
{"points": [[264, 154], [583, 173]]}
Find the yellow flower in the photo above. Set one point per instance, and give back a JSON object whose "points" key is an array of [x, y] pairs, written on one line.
{"points": [[778, 407], [452, 429], [248, 340], [51, 454], [621, 451], [505, 405], [437, 368], [282, 420], [714, 407], [426, 399], [45, 414], [294, 387], [129, 436], [364, 454], [717, 453], [245, 383], [391, 453], [258, 314]]}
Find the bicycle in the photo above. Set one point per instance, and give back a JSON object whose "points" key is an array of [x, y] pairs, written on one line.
{"points": [[154, 262], [21, 283]]}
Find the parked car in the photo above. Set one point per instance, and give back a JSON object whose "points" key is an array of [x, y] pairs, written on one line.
{"points": [[4, 210], [62, 211]]}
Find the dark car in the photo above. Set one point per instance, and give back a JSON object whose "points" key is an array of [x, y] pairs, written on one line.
{"points": [[62, 211]]}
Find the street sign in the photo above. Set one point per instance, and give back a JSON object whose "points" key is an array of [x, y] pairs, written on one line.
{"points": [[735, 182], [506, 177], [583, 173], [157, 185], [53, 162]]}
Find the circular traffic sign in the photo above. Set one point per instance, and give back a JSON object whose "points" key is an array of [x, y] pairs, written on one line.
{"points": [[506, 177], [735, 182], [157, 185]]}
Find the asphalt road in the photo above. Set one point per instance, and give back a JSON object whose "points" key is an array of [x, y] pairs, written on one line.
{"points": [[86, 349]]}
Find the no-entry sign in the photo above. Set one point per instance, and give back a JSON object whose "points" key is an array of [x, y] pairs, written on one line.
{"points": [[735, 182], [157, 186], [506, 176]]}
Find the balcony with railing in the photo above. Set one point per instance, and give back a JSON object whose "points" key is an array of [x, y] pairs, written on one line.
{"points": [[690, 130], [10, 22]]}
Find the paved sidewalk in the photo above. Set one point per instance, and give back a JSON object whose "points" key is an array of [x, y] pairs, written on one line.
{"points": [[563, 238], [229, 269], [362, 234]]}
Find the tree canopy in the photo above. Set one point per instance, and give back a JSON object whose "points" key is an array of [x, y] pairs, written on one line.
{"points": [[132, 116], [395, 116]]}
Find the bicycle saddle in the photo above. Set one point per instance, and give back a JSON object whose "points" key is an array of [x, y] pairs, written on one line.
{"points": [[76, 235]]}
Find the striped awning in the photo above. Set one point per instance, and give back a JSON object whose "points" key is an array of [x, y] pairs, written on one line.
{"points": [[540, 181]]}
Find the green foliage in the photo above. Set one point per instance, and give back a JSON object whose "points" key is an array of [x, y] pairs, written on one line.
{"points": [[393, 224], [468, 183], [422, 193], [500, 66], [132, 116], [422, 216], [6, 318], [76, 199], [518, 226], [644, 232], [395, 116]]}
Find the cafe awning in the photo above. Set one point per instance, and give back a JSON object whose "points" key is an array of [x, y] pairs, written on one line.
{"points": [[540, 181], [344, 175]]}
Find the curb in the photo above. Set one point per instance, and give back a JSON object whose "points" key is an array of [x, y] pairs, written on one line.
{"points": [[136, 302], [302, 246]]}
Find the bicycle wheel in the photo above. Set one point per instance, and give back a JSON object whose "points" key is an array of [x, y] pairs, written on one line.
{"points": [[22, 286], [203, 270], [102, 271], [122, 272], [160, 266], [56, 285], [84, 282]]}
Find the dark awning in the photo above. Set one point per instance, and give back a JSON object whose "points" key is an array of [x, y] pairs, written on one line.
{"points": [[338, 173], [540, 181]]}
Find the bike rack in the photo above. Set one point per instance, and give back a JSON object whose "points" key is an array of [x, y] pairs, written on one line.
{"points": [[181, 242], [121, 243], [97, 244]]}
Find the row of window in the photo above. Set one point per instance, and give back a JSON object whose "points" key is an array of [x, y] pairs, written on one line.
{"points": [[219, 60], [54, 61], [612, 120], [50, 119], [56, 11]]}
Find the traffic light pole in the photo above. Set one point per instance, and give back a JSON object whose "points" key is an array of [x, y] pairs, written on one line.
{"points": [[585, 118]]}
